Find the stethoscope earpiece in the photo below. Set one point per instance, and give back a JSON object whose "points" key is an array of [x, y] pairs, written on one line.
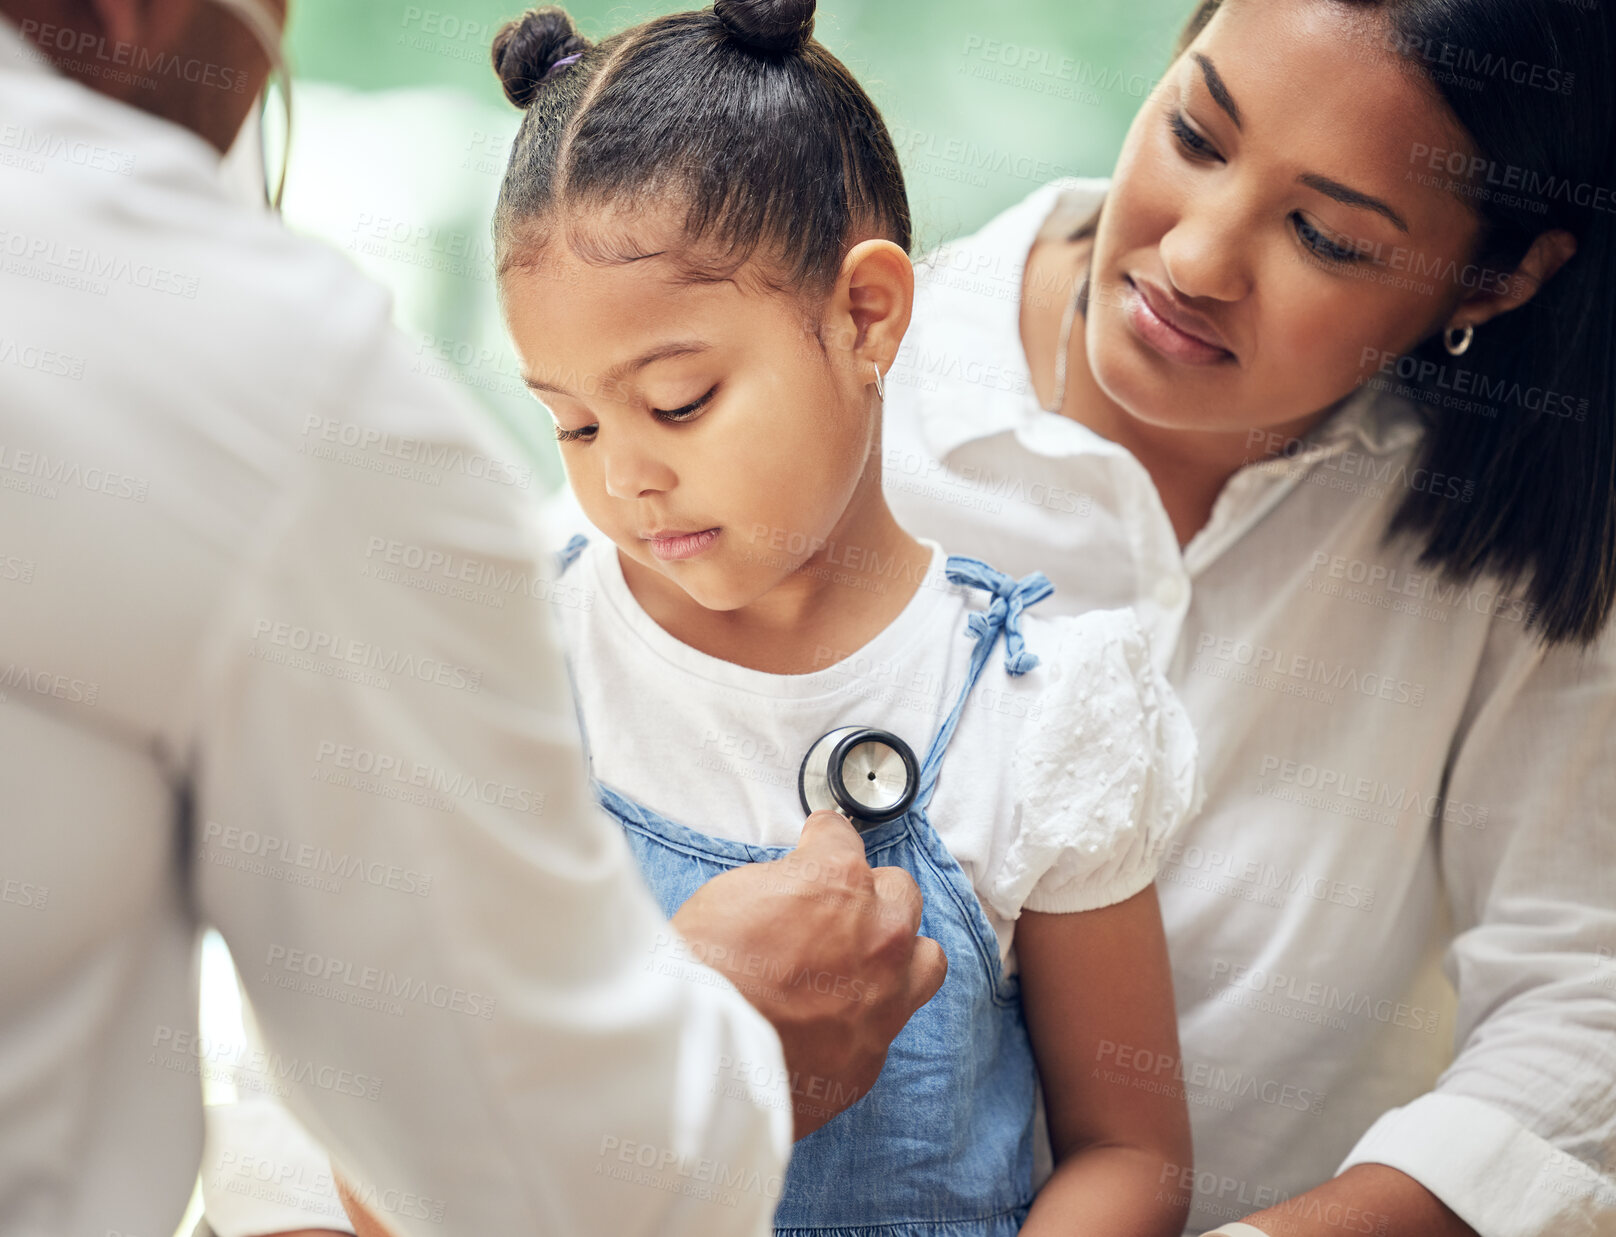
{"points": [[870, 776]]}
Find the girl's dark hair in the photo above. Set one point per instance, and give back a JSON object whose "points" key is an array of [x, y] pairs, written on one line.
{"points": [[1543, 457], [734, 114]]}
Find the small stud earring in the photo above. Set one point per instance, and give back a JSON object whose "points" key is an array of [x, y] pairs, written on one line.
{"points": [[880, 387], [1458, 347]]}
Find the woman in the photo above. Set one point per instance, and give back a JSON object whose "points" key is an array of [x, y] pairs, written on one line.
{"points": [[1337, 418]]}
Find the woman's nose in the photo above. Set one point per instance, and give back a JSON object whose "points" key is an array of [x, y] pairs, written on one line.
{"points": [[1205, 253]]}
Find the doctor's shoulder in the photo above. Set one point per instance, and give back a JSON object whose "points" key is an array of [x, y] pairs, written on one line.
{"points": [[323, 367], [364, 398]]}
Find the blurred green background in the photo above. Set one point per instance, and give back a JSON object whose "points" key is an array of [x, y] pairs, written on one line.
{"points": [[401, 133]]}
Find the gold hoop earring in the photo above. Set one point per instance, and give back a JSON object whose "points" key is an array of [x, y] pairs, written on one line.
{"points": [[1460, 346], [880, 386]]}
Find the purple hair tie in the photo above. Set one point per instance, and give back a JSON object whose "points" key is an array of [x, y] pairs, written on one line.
{"points": [[561, 64]]}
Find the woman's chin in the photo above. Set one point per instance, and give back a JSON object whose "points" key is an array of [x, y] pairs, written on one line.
{"points": [[1162, 399], [1149, 401]]}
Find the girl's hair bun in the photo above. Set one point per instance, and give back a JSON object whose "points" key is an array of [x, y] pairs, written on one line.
{"points": [[778, 27], [525, 50]]}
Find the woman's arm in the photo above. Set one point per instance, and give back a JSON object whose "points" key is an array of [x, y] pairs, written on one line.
{"points": [[1368, 1198], [1098, 996], [1518, 1137]]}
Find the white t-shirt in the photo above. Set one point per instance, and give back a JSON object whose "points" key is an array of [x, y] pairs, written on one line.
{"points": [[1058, 792]]}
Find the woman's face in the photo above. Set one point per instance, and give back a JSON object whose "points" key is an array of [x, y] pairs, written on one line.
{"points": [[1269, 200], [702, 427]]}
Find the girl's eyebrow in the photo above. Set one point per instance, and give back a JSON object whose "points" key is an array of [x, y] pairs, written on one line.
{"points": [[662, 352], [1347, 196]]}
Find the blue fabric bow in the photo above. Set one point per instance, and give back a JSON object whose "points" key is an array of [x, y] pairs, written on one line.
{"points": [[569, 553], [1010, 598]]}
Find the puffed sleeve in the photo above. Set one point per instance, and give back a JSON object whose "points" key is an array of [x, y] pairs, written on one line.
{"points": [[1104, 776]]}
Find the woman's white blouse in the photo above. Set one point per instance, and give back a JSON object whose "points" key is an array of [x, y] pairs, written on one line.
{"points": [[1393, 922]]}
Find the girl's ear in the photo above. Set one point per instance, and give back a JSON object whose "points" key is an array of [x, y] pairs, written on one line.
{"points": [[875, 294]]}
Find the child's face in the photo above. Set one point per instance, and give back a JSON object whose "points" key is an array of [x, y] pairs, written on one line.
{"points": [[704, 429]]}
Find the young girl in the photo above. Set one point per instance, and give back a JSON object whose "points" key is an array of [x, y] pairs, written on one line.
{"points": [[702, 244]]}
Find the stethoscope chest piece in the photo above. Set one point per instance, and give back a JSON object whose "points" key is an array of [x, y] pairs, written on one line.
{"points": [[868, 775]]}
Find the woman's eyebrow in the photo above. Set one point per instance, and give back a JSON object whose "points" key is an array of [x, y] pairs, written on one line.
{"points": [[663, 352], [1219, 92], [1344, 194], [1350, 197]]}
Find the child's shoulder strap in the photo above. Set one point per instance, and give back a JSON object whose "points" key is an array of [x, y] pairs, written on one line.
{"points": [[568, 554], [1003, 615]]}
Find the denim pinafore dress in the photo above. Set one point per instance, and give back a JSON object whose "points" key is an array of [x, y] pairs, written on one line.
{"points": [[942, 1145]]}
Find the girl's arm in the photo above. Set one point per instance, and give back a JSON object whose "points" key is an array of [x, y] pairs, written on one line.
{"points": [[1098, 996]]}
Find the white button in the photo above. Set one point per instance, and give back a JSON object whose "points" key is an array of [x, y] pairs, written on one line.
{"points": [[1170, 592]]}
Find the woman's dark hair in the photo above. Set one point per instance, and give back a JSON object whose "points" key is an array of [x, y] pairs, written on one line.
{"points": [[1543, 459], [735, 114]]}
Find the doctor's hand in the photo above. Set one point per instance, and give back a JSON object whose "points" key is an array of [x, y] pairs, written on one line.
{"points": [[826, 948]]}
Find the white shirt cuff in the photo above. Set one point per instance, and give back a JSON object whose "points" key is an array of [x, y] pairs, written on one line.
{"points": [[1494, 1173]]}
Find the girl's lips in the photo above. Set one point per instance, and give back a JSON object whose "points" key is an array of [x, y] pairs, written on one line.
{"points": [[1163, 335], [682, 545]]}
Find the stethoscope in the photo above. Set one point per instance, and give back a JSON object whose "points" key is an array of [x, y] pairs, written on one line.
{"points": [[870, 776], [264, 27]]}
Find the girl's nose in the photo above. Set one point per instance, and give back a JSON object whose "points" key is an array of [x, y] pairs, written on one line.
{"points": [[630, 469]]}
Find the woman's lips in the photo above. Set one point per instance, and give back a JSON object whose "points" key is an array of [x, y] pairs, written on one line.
{"points": [[681, 545], [1162, 335]]}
